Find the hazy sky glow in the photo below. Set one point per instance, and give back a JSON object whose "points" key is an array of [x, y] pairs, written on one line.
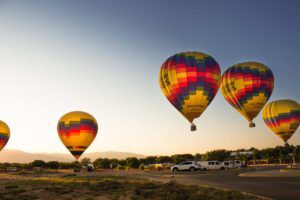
{"points": [[103, 57]]}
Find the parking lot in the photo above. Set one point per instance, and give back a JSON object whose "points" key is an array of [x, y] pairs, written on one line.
{"points": [[284, 187]]}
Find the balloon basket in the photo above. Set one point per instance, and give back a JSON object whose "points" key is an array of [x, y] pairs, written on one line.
{"points": [[193, 127], [252, 125]]}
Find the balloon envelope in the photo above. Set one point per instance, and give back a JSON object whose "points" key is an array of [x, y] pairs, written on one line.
{"points": [[4, 134], [77, 130], [190, 81], [247, 87], [282, 117]]}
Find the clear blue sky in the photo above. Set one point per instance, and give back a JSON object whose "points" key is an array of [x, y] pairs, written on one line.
{"points": [[103, 57]]}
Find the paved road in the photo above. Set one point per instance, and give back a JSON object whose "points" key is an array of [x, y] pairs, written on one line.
{"points": [[281, 188]]}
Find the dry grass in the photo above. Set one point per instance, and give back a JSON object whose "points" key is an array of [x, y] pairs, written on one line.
{"points": [[68, 186]]}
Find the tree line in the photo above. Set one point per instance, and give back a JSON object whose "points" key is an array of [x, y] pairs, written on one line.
{"points": [[279, 154]]}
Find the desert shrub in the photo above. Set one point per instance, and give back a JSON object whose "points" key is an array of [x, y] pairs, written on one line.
{"points": [[151, 167], [120, 167], [142, 167]]}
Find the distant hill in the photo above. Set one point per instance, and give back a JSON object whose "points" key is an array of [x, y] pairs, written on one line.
{"points": [[16, 156]]}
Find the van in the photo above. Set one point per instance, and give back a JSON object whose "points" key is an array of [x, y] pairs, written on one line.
{"points": [[232, 164], [210, 165]]}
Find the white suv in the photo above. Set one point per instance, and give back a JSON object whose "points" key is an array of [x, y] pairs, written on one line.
{"points": [[186, 166]]}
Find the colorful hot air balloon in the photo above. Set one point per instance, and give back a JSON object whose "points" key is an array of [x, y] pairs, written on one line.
{"points": [[282, 117], [4, 134], [190, 81], [247, 87], [77, 130]]}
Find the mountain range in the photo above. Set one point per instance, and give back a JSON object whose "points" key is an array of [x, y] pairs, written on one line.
{"points": [[17, 156]]}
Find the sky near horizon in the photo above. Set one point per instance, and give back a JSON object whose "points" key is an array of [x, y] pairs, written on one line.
{"points": [[103, 57]]}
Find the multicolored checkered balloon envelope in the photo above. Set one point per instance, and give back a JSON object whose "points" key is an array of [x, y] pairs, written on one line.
{"points": [[4, 134], [247, 87], [190, 81], [77, 130], [282, 117]]}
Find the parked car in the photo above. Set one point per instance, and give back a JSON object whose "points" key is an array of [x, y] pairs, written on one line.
{"points": [[232, 164], [186, 166], [38, 169], [210, 165], [88, 167], [11, 169]]}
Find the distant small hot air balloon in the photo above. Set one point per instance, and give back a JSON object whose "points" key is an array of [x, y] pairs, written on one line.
{"points": [[190, 81], [247, 87], [282, 117], [77, 130], [4, 134]]}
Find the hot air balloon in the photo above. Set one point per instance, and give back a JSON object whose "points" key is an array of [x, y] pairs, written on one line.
{"points": [[4, 134], [247, 87], [77, 130], [190, 81], [282, 117]]}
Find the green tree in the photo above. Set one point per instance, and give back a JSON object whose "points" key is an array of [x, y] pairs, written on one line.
{"points": [[142, 166], [102, 163], [267, 156], [66, 165], [114, 162], [150, 160], [295, 155], [298, 153], [198, 156], [85, 161], [38, 163], [133, 162], [281, 157], [164, 159], [219, 155], [52, 164], [122, 162], [178, 158], [255, 155]]}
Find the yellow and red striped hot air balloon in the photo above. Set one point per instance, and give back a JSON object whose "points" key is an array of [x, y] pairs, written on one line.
{"points": [[4, 134], [77, 130], [190, 81], [247, 87], [282, 117]]}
